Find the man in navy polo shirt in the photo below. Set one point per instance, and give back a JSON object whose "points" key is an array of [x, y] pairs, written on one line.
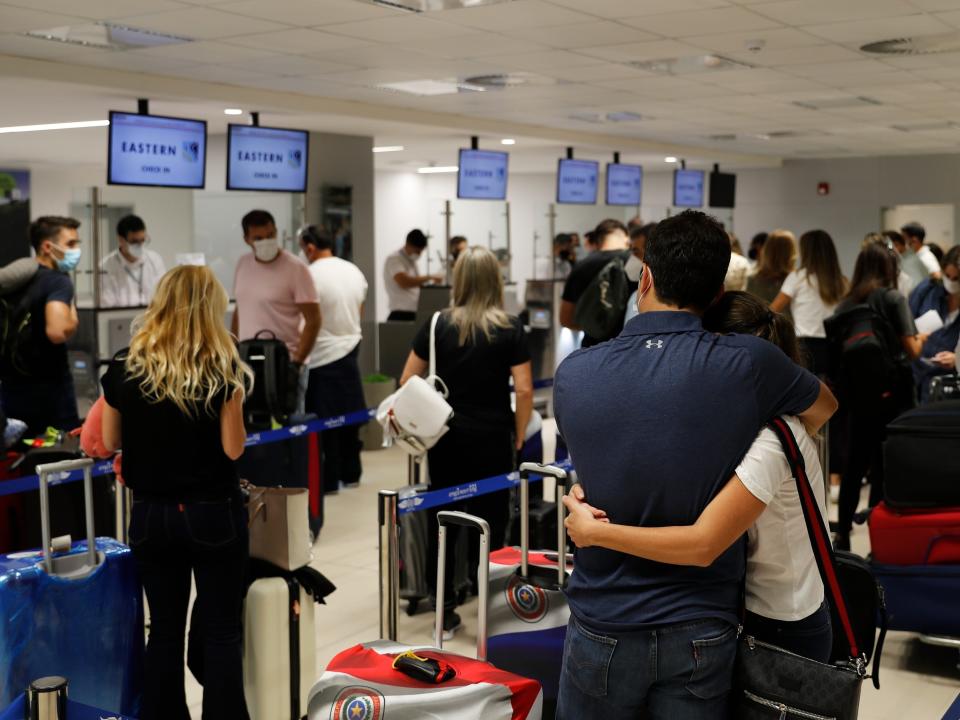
{"points": [[656, 421]]}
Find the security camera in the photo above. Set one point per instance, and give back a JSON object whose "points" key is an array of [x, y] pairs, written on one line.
{"points": [[756, 46]]}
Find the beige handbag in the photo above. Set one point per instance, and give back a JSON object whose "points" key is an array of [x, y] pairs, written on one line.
{"points": [[279, 525]]}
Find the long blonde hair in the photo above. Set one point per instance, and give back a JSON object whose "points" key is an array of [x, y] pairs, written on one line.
{"points": [[779, 255], [181, 349], [477, 294]]}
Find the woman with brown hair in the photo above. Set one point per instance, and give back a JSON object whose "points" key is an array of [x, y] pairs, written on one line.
{"points": [[479, 349], [777, 260], [812, 293]]}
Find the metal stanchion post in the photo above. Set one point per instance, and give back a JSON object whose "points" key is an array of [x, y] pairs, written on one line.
{"points": [[389, 540], [123, 501]]}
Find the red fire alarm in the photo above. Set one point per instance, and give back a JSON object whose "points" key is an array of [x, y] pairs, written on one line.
{"points": [[823, 188]]}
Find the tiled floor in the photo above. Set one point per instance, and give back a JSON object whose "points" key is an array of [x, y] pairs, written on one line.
{"points": [[919, 682]]}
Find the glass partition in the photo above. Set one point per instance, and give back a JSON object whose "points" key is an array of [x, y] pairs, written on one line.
{"points": [[481, 222]]}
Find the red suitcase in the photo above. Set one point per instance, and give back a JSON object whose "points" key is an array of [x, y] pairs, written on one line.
{"points": [[915, 537]]}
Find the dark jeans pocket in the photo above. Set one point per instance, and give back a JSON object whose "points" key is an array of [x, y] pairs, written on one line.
{"points": [[139, 529], [713, 658], [213, 524], [587, 659]]}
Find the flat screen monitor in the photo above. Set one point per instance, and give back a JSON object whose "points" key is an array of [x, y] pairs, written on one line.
{"points": [[157, 151], [723, 190], [267, 159], [624, 183], [482, 175], [688, 188], [577, 182]]}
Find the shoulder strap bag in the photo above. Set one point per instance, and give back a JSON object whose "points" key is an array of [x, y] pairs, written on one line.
{"points": [[415, 417], [770, 682]]}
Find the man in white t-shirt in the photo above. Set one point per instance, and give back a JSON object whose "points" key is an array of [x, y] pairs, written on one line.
{"points": [[914, 234], [129, 275], [334, 387], [403, 278]]}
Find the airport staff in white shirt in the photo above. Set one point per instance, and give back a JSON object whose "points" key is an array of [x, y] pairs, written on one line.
{"points": [[129, 275], [403, 279], [914, 234], [334, 387]]}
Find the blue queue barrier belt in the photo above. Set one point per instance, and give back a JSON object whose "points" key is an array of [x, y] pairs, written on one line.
{"points": [[32, 482], [458, 493], [953, 712]]}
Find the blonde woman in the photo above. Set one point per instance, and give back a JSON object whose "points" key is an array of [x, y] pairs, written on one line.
{"points": [[174, 402], [479, 349]]}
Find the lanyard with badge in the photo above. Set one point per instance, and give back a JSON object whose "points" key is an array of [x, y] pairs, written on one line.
{"points": [[138, 279]]}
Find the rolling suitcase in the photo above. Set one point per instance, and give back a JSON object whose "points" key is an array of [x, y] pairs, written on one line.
{"points": [[76, 614], [385, 679], [944, 387], [921, 598], [915, 537], [921, 461], [279, 649], [529, 613]]}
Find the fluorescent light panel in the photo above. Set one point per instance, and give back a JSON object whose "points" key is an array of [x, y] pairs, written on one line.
{"points": [[233, 111], [508, 141], [670, 159], [54, 126], [388, 148], [434, 169]]}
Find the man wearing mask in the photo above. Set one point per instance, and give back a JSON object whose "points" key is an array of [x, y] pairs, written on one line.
{"points": [[35, 381], [458, 243], [274, 291], [920, 264], [403, 280], [129, 275]]}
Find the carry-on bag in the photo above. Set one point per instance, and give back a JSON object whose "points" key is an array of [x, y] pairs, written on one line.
{"points": [[921, 462], [279, 649], [921, 598], [944, 387], [385, 679], [278, 533], [915, 537], [276, 387], [77, 614], [771, 682], [528, 610]]}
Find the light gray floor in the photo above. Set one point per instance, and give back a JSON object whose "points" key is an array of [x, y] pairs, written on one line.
{"points": [[919, 682]]}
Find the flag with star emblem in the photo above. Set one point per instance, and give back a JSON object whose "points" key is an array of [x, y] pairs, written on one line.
{"points": [[360, 683]]}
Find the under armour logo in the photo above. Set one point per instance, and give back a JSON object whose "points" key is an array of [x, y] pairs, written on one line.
{"points": [[654, 344]]}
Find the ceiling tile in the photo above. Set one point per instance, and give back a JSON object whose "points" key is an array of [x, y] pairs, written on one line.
{"points": [[97, 9], [375, 76], [399, 29], [789, 57], [16, 44], [812, 12], [137, 62], [478, 44], [292, 65], [387, 56], [519, 13], [655, 50], [15, 19], [598, 71], [309, 12], [297, 41], [864, 31], [934, 5], [204, 51], [631, 8], [545, 61], [951, 18], [774, 39], [201, 23], [700, 22], [583, 35]]}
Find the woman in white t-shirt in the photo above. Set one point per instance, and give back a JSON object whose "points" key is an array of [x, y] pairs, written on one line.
{"points": [[812, 293], [785, 603]]}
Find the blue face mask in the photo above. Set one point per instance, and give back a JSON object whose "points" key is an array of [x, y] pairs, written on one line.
{"points": [[69, 261]]}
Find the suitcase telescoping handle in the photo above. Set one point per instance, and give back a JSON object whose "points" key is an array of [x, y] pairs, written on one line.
{"points": [[562, 478], [44, 471], [472, 522]]}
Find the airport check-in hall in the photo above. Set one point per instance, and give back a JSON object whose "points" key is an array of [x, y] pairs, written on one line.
{"points": [[479, 359]]}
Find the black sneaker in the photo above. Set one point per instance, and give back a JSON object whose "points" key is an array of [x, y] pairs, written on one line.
{"points": [[841, 541], [451, 623]]}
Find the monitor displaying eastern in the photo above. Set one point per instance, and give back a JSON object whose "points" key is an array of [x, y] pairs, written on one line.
{"points": [[482, 175], [688, 188], [155, 150], [624, 183], [267, 159], [577, 182]]}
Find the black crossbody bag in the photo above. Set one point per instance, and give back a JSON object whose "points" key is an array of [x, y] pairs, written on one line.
{"points": [[770, 682]]}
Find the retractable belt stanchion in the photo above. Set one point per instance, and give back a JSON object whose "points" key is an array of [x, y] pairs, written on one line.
{"points": [[389, 540], [123, 501]]}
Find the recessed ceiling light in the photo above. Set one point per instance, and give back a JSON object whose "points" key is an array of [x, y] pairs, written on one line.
{"points": [[433, 169], [55, 126], [430, 87], [508, 141], [107, 36], [670, 159], [388, 148], [233, 111]]}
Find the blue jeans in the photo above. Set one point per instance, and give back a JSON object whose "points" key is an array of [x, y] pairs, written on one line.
{"points": [[678, 672], [811, 637]]}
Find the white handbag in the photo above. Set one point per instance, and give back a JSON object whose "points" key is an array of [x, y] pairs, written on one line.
{"points": [[415, 417]]}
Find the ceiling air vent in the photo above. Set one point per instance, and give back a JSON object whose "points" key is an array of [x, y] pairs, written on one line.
{"points": [[925, 45], [503, 81]]}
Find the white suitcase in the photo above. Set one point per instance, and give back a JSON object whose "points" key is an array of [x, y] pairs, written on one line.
{"points": [[279, 649]]}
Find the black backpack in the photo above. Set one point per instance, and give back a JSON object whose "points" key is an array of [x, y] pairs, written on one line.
{"points": [[276, 381], [601, 308], [15, 315], [865, 352]]}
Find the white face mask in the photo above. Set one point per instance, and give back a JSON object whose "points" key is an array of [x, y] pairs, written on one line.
{"points": [[266, 250], [135, 250], [414, 256], [951, 286], [633, 267]]}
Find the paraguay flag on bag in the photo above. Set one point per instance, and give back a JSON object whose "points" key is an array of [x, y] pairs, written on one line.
{"points": [[361, 683]]}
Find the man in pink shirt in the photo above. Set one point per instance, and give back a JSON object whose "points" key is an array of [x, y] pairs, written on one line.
{"points": [[274, 290]]}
